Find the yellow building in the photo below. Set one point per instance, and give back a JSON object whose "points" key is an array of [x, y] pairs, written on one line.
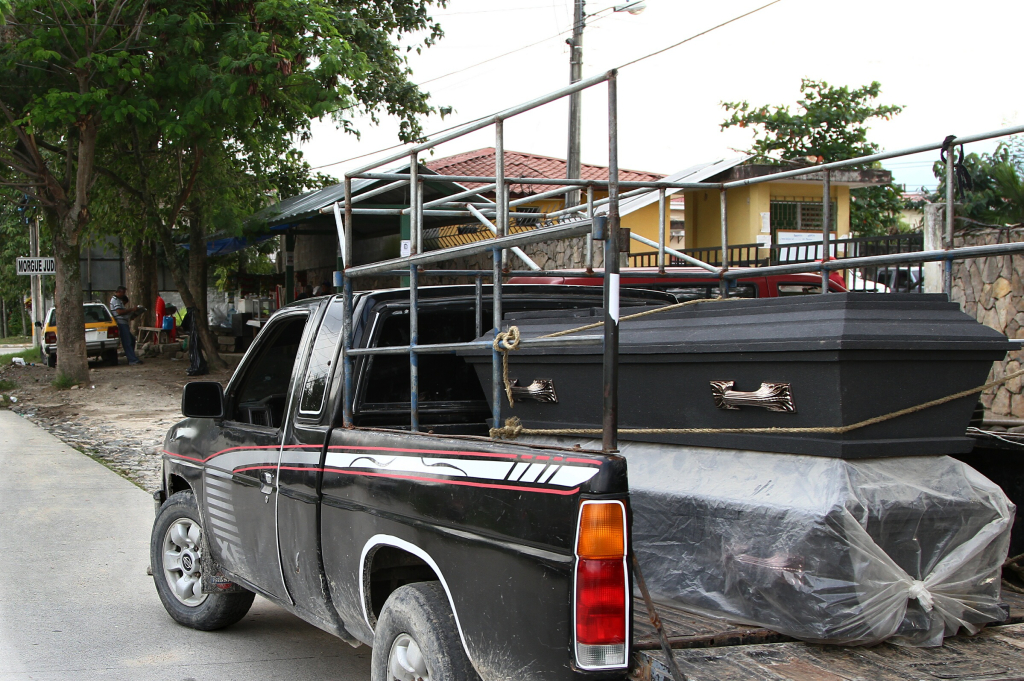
{"points": [[771, 212], [781, 211]]}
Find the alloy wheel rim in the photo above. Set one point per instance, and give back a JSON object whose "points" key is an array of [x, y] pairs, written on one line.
{"points": [[181, 561], [405, 662]]}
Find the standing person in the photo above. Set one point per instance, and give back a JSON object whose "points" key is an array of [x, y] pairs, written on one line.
{"points": [[158, 311], [123, 315]]}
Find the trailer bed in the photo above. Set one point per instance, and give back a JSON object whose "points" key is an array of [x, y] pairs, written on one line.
{"points": [[708, 649]]}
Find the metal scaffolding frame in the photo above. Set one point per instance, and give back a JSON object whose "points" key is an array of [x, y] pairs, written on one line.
{"points": [[579, 220]]}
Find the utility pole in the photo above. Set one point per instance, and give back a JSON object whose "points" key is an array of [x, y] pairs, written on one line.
{"points": [[573, 165]]}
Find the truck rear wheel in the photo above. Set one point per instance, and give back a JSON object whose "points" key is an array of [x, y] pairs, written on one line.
{"points": [[417, 638], [175, 552], [51, 359]]}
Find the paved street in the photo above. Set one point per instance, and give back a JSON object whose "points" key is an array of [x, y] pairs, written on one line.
{"points": [[75, 601]]}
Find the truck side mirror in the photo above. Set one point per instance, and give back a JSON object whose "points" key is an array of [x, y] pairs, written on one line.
{"points": [[203, 400]]}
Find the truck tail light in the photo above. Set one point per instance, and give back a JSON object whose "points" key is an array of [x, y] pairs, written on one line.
{"points": [[112, 332], [602, 589], [50, 337]]}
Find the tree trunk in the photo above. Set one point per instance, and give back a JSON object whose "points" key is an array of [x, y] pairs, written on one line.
{"points": [[197, 271], [136, 280], [179, 275], [68, 299], [153, 269]]}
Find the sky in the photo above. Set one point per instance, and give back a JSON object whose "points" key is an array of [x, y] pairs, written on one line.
{"points": [[950, 65]]}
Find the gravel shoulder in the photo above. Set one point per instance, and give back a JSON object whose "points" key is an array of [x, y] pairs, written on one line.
{"points": [[119, 417]]}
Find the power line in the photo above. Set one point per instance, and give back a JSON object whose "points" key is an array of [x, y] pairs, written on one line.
{"points": [[629, 63], [697, 35], [518, 49]]}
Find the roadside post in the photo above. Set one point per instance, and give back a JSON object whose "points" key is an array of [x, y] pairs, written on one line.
{"points": [[36, 267]]}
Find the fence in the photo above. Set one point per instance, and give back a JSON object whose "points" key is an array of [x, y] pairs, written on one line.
{"points": [[901, 278]]}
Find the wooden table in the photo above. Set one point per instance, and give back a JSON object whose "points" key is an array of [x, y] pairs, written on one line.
{"points": [[154, 334]]}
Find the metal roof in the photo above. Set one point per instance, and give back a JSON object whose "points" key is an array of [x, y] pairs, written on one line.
{"points": [[697, 173], [281, 215]]}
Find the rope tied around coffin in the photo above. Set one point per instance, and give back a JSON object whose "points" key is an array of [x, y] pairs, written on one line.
{"points": [[505, 342], [513, 427]]}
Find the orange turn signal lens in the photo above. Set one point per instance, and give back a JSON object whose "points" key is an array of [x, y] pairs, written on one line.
{"points": [[602, 531]]}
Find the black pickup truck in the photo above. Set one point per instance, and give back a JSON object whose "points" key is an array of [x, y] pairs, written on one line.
{"points": [[454, 556]]}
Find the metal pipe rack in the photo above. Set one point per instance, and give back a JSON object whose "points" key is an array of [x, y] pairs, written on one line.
{"points": [[579, 220]]}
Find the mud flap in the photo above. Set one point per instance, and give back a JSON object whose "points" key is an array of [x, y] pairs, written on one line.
{"points": [[213, 579]]}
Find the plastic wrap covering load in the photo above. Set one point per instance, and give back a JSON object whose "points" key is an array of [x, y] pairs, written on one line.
{"points": [[824, 550]]}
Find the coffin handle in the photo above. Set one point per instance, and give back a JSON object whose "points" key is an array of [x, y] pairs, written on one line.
{"points": [[541, 390], [770, 396]]}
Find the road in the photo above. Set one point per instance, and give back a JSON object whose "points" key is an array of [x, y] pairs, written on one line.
{"points": [[75, 601]]}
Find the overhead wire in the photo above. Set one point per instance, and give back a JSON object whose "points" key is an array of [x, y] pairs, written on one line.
{"points": [[622, 66]]}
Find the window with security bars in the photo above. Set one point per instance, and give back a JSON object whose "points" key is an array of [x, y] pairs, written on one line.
{"points": [[800, 215], [325, 349]]}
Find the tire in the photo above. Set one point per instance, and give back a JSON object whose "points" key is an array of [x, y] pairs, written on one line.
{"points": [[51, 359], [110, 358], [178, 529], [416, 638]]}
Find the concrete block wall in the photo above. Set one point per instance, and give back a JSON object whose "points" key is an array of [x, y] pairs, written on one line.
{"points": [[991, 291]]}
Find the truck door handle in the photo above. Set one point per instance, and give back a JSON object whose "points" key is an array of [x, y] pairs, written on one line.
{"points": [[267, 480]]}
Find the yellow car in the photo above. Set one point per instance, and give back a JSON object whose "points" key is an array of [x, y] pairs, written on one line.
{"points": [[101, 335]]}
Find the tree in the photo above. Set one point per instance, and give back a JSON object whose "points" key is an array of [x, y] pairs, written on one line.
{"points": [[66, 68], [149, 95], [996, 195], [830, 125]]}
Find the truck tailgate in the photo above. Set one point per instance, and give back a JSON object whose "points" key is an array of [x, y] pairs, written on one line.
{"points": [[714, 650]]}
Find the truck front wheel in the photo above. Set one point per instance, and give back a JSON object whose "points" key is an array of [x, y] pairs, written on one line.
{"points": [[176, 551], [417, 638]]}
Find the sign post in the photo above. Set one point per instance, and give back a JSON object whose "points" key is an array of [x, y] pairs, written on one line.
{"points": [[37, 287]]}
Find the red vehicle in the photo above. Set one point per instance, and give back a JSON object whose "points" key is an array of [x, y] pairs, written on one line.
{"points": [[684, 285]]}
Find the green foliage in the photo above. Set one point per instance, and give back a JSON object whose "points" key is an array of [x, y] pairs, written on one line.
{"points": [[189, 108], [64, 382], [830, 124], [7, 385], [997, 196], [30, 355], [875, 211], [13, 243]]}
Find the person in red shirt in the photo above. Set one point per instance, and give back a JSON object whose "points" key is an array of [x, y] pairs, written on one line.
{"points": [[160, 311]]}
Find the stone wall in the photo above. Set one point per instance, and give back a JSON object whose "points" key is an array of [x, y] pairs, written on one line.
{"points": [[991, 291]]}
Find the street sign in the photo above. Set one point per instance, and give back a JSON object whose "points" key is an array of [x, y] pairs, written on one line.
{"points": [[37, 266]]}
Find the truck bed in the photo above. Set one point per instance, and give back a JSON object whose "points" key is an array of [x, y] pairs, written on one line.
{"points": [[715, 650]]}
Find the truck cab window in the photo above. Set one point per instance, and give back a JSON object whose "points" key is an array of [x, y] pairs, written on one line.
{"points": [[325, 349], [262, 394], [449, 388]]}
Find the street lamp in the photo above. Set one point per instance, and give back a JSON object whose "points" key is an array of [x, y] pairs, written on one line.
{"points": [[572, 161], [631, 7]]}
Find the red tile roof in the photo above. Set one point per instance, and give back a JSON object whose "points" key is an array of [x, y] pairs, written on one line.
{"points": [[480, 163]]}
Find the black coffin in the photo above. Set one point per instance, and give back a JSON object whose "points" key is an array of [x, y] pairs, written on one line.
{"points": [[832, 359]]}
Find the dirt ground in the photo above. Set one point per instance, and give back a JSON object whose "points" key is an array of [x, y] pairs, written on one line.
{"points": [[119, 417]]}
